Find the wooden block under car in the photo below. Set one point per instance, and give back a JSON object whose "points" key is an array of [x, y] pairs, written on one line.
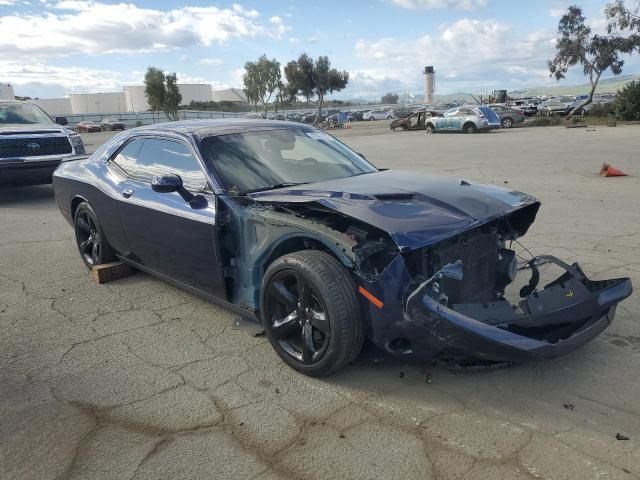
{"points": [[110, 271]]}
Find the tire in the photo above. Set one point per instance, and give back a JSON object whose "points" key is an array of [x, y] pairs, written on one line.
{"points": [[90, 240], [371, 119], [334, 328], [507, 122], [470, 128], [429, 128]]}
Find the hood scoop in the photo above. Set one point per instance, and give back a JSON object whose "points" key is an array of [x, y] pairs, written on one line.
{"points": [[395, 197]]}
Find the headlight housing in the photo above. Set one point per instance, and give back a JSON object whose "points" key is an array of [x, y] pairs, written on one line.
{"points": [[76, 142]]}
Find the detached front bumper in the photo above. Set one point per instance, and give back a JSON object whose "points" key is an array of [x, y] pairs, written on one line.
{"points": [[566, 314]]}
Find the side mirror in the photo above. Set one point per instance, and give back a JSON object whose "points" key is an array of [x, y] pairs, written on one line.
{"points": [[170, 183], [62, 121]]}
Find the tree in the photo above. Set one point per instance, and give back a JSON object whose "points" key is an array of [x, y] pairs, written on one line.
{"points": [[173, 97], [154, 89], [627, 102], [314, 79], [622, 18], [576, 45], [261, 79], [390, 99]]}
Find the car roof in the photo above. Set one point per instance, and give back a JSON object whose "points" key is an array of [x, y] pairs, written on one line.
{"points": [[213, 127], [9, 100]]}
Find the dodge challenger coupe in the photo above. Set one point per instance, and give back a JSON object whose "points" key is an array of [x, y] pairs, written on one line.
{"points": [[282, 223]]}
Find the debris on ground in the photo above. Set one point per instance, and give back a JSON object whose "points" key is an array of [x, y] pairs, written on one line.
{"points": [[428, 378], [569, 406], [609, 171], [619, 436]]}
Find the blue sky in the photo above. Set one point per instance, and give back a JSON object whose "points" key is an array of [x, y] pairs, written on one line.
{"points": [[49, 48]]}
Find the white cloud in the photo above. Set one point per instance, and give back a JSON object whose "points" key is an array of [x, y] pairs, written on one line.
{"points": [[211, 61], [433, 4], [557, 12], [69, 79], [467, 54], [91, 27]]}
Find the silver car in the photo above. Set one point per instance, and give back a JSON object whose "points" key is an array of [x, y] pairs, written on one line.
{"points": [[551, 107], [508, 116], [466, 118]]}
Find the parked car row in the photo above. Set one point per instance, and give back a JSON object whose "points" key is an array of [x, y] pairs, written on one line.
{"points": [[464, 118], [106, 125]]}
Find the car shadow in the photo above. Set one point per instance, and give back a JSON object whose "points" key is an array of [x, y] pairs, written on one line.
{"points": [[32, 196]]}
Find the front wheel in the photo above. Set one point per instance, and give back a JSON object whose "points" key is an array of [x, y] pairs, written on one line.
{"points": [[310, 312], [507, 123], [91, 242], [430, 129]]}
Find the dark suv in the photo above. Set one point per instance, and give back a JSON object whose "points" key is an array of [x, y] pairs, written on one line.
{"points": [[32, 145]]}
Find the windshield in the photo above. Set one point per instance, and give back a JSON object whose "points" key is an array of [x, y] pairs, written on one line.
{"points": [[249, 162], [22, 113]]}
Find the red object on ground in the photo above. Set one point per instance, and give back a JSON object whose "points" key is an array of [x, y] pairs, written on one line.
{"points": [[609, 171]]}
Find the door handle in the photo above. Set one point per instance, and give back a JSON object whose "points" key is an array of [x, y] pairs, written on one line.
{"points": [[127, 192]]}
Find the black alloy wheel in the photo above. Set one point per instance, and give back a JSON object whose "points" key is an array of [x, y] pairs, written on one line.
{"points": [[310, 312], [92, 245], [299, 317]]}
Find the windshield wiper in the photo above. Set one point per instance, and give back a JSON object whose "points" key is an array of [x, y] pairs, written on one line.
{"points": [[273, 187]]}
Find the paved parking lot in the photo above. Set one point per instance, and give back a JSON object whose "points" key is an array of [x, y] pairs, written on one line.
{"points": [[136, 379]]}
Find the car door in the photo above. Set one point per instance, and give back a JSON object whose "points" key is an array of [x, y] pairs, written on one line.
{"points": [[450, 119], [164, 232]]}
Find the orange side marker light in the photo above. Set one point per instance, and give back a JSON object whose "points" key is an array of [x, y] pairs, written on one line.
{"points": [[370, 297]]}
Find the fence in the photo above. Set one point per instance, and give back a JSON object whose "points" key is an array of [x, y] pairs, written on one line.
{"points": [[133, 119]]}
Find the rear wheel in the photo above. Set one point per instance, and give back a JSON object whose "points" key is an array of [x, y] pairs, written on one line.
{"points": [[507, 122], [470, 128], [371, 119], [310, 312], [91, 242]]}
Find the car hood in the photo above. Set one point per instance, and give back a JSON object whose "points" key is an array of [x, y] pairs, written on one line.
{"points": [[415, 210], [8, 128]]}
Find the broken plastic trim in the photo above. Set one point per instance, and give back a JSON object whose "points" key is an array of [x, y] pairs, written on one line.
{"points": [[567, 313]]}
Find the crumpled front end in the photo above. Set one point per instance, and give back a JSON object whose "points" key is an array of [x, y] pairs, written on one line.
{"points": [[564, 315], [450, 301]]}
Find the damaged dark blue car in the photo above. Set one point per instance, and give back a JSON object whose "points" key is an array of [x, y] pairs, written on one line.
{"points": [[283, 223]]}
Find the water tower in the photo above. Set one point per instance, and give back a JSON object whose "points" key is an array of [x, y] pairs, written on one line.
{"points": [[429, 84]]}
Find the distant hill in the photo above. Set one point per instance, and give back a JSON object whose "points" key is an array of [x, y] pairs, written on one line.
{"points": [[609, 85]]}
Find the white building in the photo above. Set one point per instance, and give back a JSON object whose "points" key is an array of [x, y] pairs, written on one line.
{"points": [[136, 100], [54, 106], [230, 95], [131, 99], [6, 92], [109, 102]]}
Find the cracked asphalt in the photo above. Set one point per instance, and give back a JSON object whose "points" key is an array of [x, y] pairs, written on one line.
{"points": [[136, 379]]}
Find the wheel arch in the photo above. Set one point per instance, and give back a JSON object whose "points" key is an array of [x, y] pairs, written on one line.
{"points": [[468, 124], [75, 202], [297, 241]]}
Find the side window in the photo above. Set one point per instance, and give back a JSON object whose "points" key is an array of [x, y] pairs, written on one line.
{"points": [[126, 158], [161, 157]]}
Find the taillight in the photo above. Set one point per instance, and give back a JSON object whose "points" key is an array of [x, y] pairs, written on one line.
{"points": [[480, 114]]}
